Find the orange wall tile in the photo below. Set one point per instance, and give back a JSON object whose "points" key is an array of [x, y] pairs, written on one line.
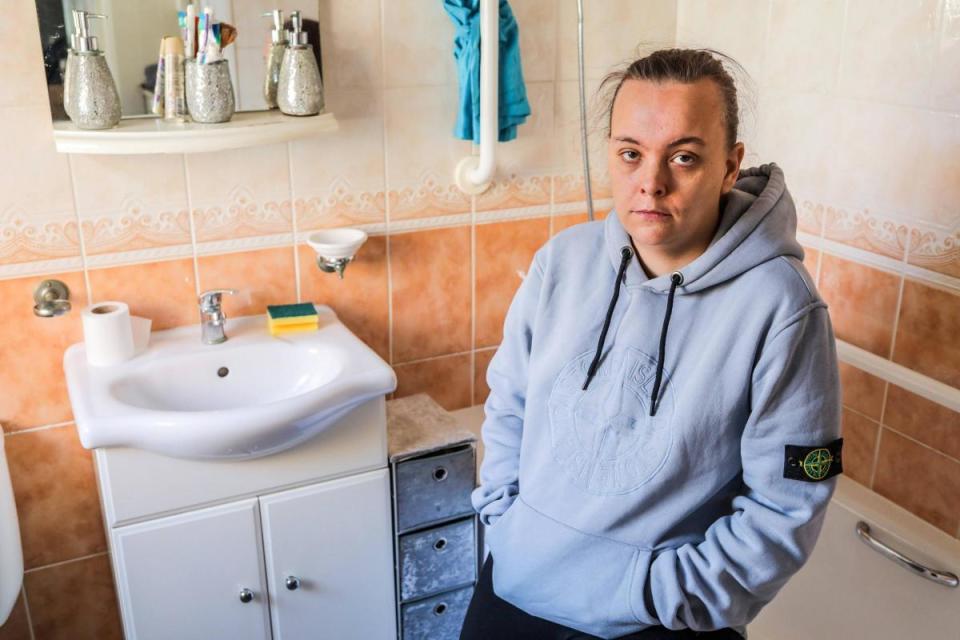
{"points": [[162, 291], [504, 250], [31, 353], [261, 278], [360, 299], [431, 293], [928, 334], [74, 600], [862, 303], [446, 380], [56, 494]]}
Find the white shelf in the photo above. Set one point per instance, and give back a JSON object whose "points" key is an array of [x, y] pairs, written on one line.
{"points": [[140, 135]]}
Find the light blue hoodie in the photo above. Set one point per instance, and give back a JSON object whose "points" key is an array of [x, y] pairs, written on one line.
{"points": [[608, 514]]}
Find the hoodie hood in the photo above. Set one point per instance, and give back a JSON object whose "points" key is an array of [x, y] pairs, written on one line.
{"points": [[758, 222]]}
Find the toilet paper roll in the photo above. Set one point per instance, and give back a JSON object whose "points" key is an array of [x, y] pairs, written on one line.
{"points": [[111, 334]]}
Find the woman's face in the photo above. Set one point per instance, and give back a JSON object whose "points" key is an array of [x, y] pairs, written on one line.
{"points": [[668, 154]]}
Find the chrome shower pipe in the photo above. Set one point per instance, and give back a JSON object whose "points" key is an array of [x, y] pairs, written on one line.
{"points": [[583, 113]]}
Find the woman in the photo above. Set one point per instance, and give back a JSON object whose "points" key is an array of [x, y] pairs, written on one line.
{"points": [[662, 469]]}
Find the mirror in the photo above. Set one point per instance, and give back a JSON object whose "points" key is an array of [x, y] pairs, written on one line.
{"points": [[130, 39]]}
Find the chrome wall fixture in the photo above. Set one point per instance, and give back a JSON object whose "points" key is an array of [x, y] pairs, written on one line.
{"points": [[51, 298]]}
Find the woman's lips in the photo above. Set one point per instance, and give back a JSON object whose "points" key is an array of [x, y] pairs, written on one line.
{"points": [[650, 214]]}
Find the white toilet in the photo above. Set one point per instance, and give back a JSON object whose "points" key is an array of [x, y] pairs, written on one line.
{"points": [[11, 554]]}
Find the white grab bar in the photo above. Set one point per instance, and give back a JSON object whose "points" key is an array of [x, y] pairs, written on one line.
{"points": [[474, 173]]}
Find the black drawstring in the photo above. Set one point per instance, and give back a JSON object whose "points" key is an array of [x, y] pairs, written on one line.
{"points": [[675, 278], [625, 254]]}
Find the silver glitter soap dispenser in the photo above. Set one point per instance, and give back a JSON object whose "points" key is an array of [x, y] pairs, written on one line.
{"points": [[92, 101], [299, 90]]}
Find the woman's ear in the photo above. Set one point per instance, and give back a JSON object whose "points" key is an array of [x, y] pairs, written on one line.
{"points": [[734, 158]]}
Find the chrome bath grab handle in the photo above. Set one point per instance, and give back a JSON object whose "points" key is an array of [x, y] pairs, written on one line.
{"points": [[945, 578]]}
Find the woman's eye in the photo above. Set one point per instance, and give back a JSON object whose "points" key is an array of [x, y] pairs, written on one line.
{"points": [[689, 159], [629, 155]]}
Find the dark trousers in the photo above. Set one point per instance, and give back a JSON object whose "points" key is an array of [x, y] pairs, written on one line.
{"points": [[492, 618]]}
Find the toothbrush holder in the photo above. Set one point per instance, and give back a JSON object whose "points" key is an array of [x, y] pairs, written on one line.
{"points": [[209, 91]]}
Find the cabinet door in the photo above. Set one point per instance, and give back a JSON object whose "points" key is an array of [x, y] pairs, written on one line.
{"points": [[182, 576], [329, 557]]}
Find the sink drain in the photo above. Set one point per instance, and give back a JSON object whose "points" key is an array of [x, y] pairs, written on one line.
{"points": [[222, 372]]}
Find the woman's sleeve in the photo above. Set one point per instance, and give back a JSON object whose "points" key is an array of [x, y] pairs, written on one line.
{"points": [[503, 424], [790, 451]]}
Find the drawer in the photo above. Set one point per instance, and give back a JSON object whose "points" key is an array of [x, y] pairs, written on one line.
{"points": [[437, 559], [434, 488], [437, 618]]}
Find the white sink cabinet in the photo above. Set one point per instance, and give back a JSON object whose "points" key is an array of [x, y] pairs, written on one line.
{"points": [[293, 545]]}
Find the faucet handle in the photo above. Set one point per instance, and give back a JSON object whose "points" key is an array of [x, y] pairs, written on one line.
{"points": [[211, 298]]}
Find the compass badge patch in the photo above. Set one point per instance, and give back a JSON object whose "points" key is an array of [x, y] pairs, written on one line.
{"points": [[813, 463]]}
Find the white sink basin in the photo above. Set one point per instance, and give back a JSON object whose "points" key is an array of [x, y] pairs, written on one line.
{"points": [[250, 396]]}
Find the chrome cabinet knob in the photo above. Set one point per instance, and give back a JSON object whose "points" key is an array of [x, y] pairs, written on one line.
{"points": [[246, 595], [293, 583]]}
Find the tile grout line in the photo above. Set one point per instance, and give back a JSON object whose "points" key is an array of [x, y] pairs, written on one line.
{"points": [[930, 448], [440, 357], [876, 456], [64, 562], [473, 297], [44, 427], [293, 221], [76, 215], [193, 228], [26, 608], [384, 135]]}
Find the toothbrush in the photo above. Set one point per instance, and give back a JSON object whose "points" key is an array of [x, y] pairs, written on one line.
{"points": [[190, 37]]}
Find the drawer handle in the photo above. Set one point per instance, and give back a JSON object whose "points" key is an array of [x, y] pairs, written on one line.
{"points": [[440, 474], [293, 583], [246, 595], [440, 544], [440, 609]]}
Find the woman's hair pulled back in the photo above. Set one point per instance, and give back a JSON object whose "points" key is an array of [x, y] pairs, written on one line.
{"points": [[686, 66]]}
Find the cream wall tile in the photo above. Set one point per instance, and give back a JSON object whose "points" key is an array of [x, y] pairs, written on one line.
{"points": [[889, 50], [21, 57], [418, 45], [800, 132], [421, 151], [240, 194], [537, 23], [37, 179], [734, 27], [898, 161], [803, 45], [131, 202], [613, 30], [524, 165], [945, 92], [567, 127], [338, 177], [351, 43]]}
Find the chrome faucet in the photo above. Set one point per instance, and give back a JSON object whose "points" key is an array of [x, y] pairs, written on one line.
{"points": [[212, 319]]}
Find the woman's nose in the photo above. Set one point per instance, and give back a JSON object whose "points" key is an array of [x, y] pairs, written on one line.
{"points": [[652, 181]]}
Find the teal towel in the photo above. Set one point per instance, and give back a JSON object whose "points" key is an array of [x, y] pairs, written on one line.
{"points": [[513, 106]]}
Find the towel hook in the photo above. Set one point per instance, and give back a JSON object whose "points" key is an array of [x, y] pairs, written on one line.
{"points": [[474, 174]]}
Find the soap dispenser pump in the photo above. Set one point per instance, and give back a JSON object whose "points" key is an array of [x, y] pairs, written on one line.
{"points": [[278, 44], [93, 101], [299, 90]]}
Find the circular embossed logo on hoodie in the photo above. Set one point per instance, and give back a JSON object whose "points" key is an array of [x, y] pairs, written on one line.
{"points": [[604, 438]]}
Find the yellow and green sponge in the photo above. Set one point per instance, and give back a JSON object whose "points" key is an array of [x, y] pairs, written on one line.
{"points": [[291, 318]]}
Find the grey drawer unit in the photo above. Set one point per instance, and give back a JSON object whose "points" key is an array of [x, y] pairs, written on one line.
{"points": [[433, 468], [438, 559], [437, 618], [434, 488]]}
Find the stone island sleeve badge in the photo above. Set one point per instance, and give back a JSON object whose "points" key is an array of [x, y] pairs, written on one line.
{"points": [[813, 464]]}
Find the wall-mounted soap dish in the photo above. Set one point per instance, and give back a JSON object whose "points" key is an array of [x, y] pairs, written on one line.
{"points": [[336, 248]]}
